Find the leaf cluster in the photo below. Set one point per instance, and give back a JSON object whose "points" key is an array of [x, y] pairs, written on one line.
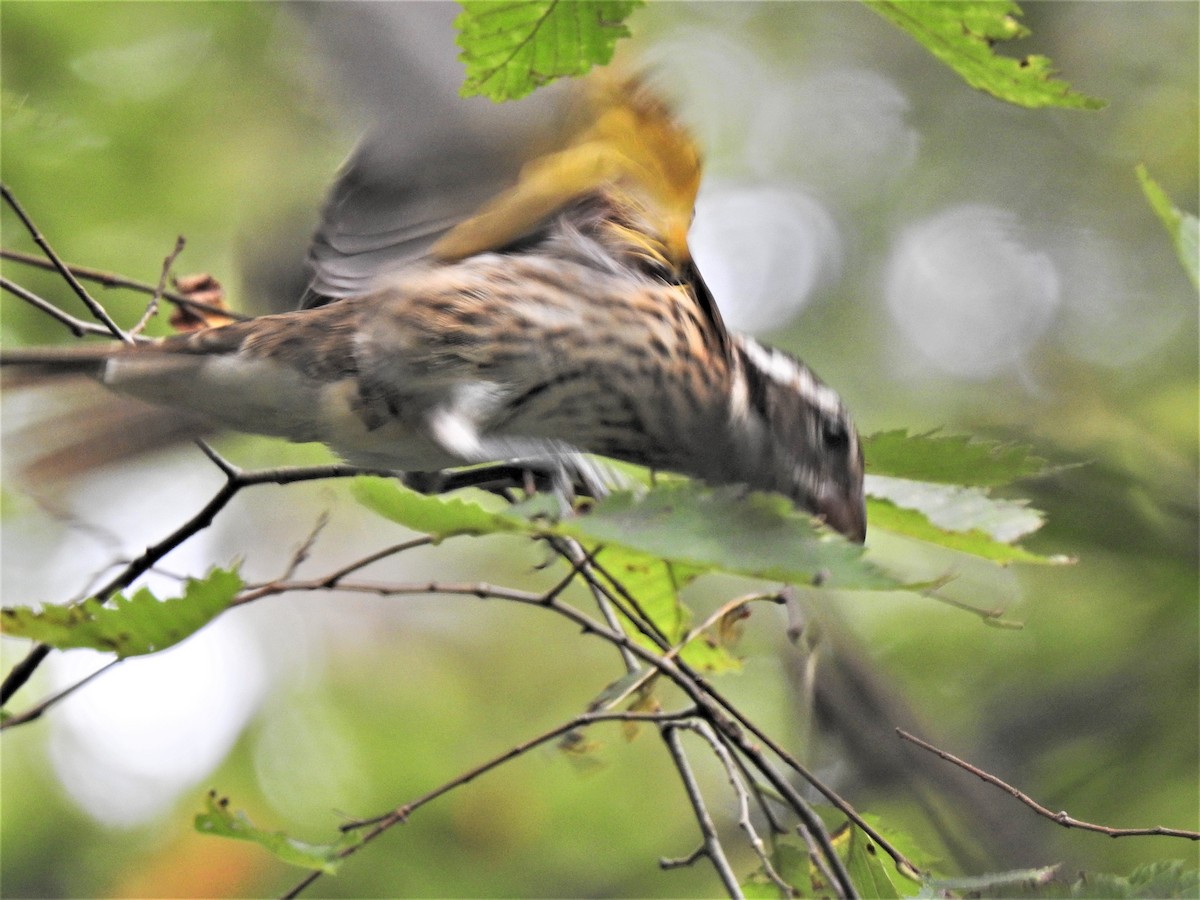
{"points": [[512, 48]]}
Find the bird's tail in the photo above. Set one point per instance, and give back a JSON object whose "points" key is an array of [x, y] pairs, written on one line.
{"points": [[57, 427], [36, 365]]}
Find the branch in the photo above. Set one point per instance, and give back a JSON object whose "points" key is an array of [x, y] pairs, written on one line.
{"points": [[741, 789], [77, 327], [379, 824], [711, 846], [235, 481], [661, 663], [112, 279], [810, 819], [152, 306], [36, 711], [580, 561], [96, 309], [1060, 817]]}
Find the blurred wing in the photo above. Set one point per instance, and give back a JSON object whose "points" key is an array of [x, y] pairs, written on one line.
{"points": [[628, 178], [430, 158], [446, 177]]}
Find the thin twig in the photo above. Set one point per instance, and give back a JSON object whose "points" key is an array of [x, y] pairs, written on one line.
{"points": [[1060, 818], [479, 589], [815, 852], [95, 308], [668, 667], [152, 306], [113, 280], [379, 824], [36, 711], [759, 797], [332, 580], [710, 841], [77, 327], [672, 652], [235, 481], [301, 553], [574, 554], [811, 820], [740, 788]]}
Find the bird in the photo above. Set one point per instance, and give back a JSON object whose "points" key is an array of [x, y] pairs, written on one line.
{"points": [[563, 318]]}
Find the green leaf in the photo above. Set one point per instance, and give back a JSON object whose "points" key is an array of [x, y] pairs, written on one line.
{"points": [[955, 508], [681, 522], [868, 871], [127, 626], [441, 516], [760, 535], [790, 861], [1183, 227], [914, 524], [949, 459], [510, 48], [963, 36], [218, 820], [655, 585], [1165, 878]]}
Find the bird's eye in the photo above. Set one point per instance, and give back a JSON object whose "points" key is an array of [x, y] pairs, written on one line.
{"points": [[834, 434]]}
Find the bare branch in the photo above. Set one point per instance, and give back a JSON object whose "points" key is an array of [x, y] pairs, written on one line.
{"points": [[742, 791], [711, 842], [152, 306], [113, 280], [1060, 818], [784, 787], [77, 327], [575, 555], [379, 824], [235, 481], [96, 309], [36, 711]]}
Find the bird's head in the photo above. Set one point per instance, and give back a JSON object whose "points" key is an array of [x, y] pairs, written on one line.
{"points": [[804, 443]]}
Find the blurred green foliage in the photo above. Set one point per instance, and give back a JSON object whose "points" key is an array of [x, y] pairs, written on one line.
{"points": [[124, 125]]}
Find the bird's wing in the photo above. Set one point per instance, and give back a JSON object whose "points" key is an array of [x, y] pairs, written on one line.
{"points": [[629, 177], [429, 158], [445, 177]]}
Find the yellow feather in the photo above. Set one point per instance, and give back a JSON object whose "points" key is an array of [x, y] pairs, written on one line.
{"points": [[633, 153]]}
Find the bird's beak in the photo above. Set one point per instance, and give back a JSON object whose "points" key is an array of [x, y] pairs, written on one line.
{"points": [[845, 512]]}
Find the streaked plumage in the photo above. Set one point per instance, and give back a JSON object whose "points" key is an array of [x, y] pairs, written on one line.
{"points": [[565, 315]]}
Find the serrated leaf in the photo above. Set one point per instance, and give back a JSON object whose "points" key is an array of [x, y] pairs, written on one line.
{"points": [[955, 508], [949, 459], [218, 820], [963, 36], [1183, 227], [681, 522], [128, 626], [913, 524], [511, 48], [1164, 878], [441, 516], [760, 535]]}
